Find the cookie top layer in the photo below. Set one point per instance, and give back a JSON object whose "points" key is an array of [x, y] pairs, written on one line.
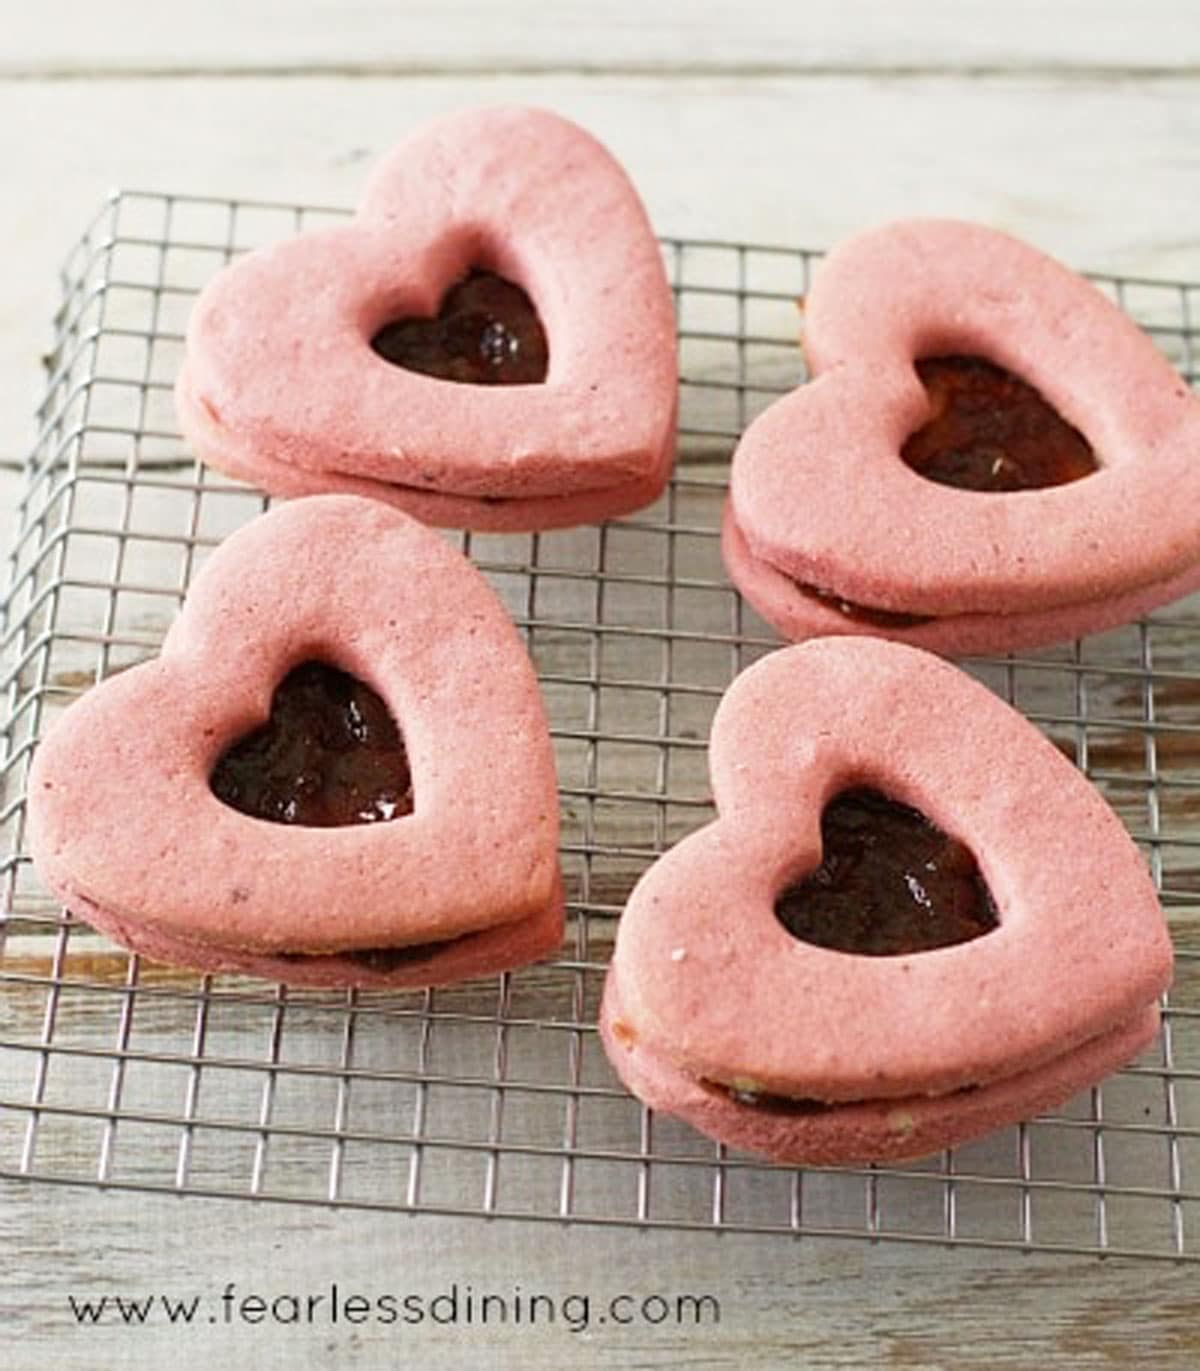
{"points": [[278, 353], [710, 978], [818, 486], [121, 811]]}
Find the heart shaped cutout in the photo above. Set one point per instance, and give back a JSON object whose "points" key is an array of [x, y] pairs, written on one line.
{"points": [[989, 431], [486, 333], [707, 988], [126, 828], [890, 883], [280, 382], [826, 516], [329, 754]]}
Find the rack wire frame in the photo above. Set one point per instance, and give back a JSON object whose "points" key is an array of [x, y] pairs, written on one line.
{"points": [[493, 1099]]}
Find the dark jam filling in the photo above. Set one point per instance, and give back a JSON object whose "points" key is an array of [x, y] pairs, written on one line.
{"points": [[890, 883], [381, 959], [864, 614], [766, 1102], [330, 754], [486, 333], [990, 431]]}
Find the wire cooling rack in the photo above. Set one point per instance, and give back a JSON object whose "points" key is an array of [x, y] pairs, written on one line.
{"points": [[494, 1098]]}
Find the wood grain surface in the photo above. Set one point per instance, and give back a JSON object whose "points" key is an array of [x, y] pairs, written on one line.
{"points": [[657, 36]]}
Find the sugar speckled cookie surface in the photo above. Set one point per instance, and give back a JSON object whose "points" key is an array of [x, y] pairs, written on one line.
{"points": [[279, 372], [124, 822], [711, 986], [820, 494]]}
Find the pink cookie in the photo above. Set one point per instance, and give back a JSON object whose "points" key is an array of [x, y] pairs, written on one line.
{"points": [[454, 511], [127, 828], [715, 1011], [806, 1132], [282, 379], [823, 508], [800, 614]]}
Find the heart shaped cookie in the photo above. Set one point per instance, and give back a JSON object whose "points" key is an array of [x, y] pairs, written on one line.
{"points": [[485, 241], [727, 1004], [990, 454], [247, 801]]}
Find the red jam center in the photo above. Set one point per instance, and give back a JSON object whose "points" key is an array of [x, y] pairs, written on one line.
{"points": [[890, 883], [988, 430], [330, 754], [487, 333]]}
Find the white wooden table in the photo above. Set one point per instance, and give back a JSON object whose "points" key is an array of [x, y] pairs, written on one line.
{"points": [[1076, 126]]}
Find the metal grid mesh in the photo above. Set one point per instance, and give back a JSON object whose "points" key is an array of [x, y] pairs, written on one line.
{"points": [[494, 1098]]}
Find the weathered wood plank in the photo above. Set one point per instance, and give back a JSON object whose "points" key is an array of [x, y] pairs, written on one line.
{"points": [[671, 35], [819, 1304]]}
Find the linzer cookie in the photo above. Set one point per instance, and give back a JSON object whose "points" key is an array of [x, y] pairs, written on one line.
{"points": [[989, 455], [338, 771], [912, 922], [489, 343]]}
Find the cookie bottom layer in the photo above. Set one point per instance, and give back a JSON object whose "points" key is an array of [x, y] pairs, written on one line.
{"points": [[866, 1131], [798, 614], [501, 514], [491, 950]]}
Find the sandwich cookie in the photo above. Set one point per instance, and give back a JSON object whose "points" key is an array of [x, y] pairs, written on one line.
{"points": [[912, 922], [489, 343], [989, 454], [338, 771]]}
